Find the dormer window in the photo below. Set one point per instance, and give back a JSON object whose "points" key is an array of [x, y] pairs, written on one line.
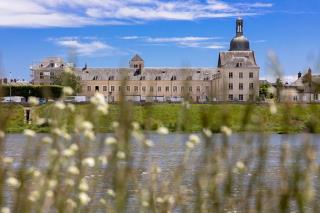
{"points": [[95, 78], [143, 78], [174, 78], [189, 78], [239, 64], [158, 78], [111, 78]]}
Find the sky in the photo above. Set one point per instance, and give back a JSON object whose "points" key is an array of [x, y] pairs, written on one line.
{"points": [[188, 33]]}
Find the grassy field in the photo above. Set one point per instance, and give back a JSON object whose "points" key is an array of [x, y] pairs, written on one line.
{"points": [[255, 118]]}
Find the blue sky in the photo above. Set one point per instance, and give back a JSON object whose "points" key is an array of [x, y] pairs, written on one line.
{"points": [[165, 33]]}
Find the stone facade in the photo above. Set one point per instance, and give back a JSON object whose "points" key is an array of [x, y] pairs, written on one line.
{"points": [[235, 79]]}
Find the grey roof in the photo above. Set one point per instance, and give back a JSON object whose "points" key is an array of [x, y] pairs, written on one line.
{"points": [[231, 58], [136, 58]]}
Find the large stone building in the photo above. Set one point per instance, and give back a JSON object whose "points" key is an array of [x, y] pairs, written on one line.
{"points": [[235, 79]]}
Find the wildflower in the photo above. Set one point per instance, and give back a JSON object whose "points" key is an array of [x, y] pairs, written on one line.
{"points": [[49, 194], [170, 199], [69, 182], [73, 170], [115, 124], [159, 200], [66, 136], [2, 134], [59, 105], [71, 107], [33, 101], [240, 167], [190, 145], [7, 160], [13, 182], [163, 131], [148, 143], [121, 155], [84, 198], [135, 125], [86, 125], [40, 121], [89, 162], [103, 201], [145, 203], [34, 196], [111, 193], [100, 102], [273, 109], [67, 91], [103, 160], [194, 139], [68, 153], [5, 210], [47, 140], [71, 203], [52, 184], [226, 130], [88, 134], [36, 173], [28, 132], [83, 186], [53, 152], [110, 140], [207, 132], [74, 147]]}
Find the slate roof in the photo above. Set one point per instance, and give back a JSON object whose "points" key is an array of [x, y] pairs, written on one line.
{"points": [[136, 57], [231, 58]]}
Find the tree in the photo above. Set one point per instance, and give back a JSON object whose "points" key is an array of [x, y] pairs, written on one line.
{"points": [[68, 78], [279, 86]]}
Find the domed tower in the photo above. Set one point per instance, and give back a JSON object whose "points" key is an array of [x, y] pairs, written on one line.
{"points": [[240, 42]]}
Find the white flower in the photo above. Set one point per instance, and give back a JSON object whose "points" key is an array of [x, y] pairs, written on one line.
{"points": [[49, 194], [207, 132], [194, 139], [71, 107], [88, 134], [115, 124], [13, 182], [86, 125], [159, 200], [89, 162], [273, 109], [83, 186], [135, 125], [190, 145], [240, 165], [2, 134], [33, 101], [40, 121], [163, 131], [104, 109], [34, 196], [53, 183], [73, 170], [5, 210], [121, 155], [110, 140], [71, 203], [103, 160], [68, 153], [149, 143], [29, 133], [84, 198], [98, 99], [7, 160], [103, 201], [69, 182], [111, 193], [47, 140], [59, 105], [145, 204], [74, 147], [170, 199], [226, 130], [67, 91]]}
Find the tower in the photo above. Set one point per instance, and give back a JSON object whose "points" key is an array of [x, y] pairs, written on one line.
{"points": [[240, 42], [136, 62]]}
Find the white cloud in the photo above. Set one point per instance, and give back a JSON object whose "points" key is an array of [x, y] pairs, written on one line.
{"points": [[84, 47], [74, 13]]}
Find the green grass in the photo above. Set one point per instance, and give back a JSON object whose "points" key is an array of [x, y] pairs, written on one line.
{"points": [[255, 118]]}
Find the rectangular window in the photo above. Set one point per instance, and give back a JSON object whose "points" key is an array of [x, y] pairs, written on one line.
{"points": [[182, 89], [97, 88], [240, 97], [250, 85], [198, 88], [240, 86], [104, 88], [230, 97], [230, 75], [167, 89], [251, 75], [190, 89], [144, 89], [112, 88], [136, 89], [151, 89], [119, 88], [240, 74], [207, 88], [89, 88], [230, 86], [159, 89], [174, 88], [128, 88]]}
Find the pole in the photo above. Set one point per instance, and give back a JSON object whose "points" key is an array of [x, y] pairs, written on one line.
{"points": [[10, 87]]}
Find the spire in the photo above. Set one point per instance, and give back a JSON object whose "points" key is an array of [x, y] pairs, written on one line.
{"points": [[239, 25]]}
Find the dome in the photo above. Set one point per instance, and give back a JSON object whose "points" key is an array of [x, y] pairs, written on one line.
{"points": [[239, 43]]}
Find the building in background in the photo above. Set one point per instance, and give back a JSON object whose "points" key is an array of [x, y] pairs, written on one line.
{"points": [[235, 79]]}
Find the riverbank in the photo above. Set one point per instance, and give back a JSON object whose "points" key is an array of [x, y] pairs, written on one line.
{"points": [[254, 118]]}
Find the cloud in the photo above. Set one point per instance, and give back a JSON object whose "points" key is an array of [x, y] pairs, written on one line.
{"points": [[185, 42], [84, 47], [76, 13]]}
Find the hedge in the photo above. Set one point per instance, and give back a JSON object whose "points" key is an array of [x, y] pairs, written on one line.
{"points": [[41, 91]]}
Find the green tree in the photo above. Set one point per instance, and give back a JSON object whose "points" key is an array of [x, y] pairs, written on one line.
{"points": [[68, 78]]}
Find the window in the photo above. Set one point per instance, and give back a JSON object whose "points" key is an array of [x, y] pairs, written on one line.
{"points": [[144, 89], [174, 78], [240, 86], [143, 78], [206, 78], [182, 89], [198, 88], [190, 89], [240, 74], [230, 97], [295, 98], [159, 89], [119, 88], [174, 88], [250, 85], [151, 89], [239, 64], [251, 75], [167, 89], [230, 75], [240, 97], [112, 88], [95, 78], [207, 88], [158, 78], [104, 88], [89, 88], [128, 88], [189, 78], [111, 78], [230, 86], [97, 88], [136, 89]]}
